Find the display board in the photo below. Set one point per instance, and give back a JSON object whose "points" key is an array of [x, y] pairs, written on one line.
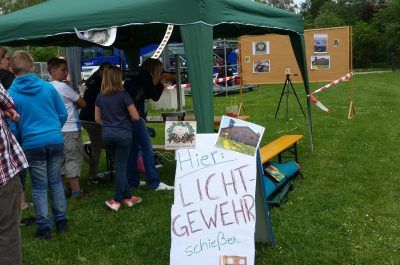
{"points": [[265, 59], [218, 211]]}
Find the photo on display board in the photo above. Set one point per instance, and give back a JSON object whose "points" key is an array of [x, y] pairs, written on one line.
{"points": [[336, 43], [320, 62], [320, 43], [261, 66], [261, 48]]}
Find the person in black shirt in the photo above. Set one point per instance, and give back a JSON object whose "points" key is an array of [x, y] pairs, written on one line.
{"points": [[143, 84], [6, 77], [93, 85]]}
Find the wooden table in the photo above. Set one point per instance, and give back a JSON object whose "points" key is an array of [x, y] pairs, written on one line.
{"points": [[217, 119]]}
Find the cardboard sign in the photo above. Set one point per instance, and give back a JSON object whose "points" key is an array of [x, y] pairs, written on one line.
{"points": [[213, 217]]}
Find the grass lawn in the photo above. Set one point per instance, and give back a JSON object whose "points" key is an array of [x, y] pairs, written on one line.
{"points": [[346, 210]]}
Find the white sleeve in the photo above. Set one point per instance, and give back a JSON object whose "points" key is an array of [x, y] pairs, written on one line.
{"points": [[68, 92]]}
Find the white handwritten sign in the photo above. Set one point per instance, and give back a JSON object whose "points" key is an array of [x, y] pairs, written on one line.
{"points": [[214, 213]]}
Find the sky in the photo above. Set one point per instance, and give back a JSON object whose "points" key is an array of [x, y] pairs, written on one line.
{"points": [[298, 2]]}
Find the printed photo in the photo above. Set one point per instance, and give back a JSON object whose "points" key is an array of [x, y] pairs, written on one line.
{"points": [[261, 48], [180, 134], [320, 62], [232, 260], [240, 136], [261, 66], [320, 43], [336, 43]]}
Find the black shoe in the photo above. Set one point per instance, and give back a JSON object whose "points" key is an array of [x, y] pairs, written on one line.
{"points": [[94, 181], [61, 226], [27, 221], [44, 233]]}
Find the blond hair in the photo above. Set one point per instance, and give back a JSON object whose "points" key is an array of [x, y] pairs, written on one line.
{"points": [[112, 80], [21, 62]]}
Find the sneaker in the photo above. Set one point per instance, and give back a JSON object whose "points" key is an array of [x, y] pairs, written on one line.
{"points": [[142, 183], [61, 226], [132, 201], [44, 233], [27, 221], [113, 205], [94, 181], [163, 186]]}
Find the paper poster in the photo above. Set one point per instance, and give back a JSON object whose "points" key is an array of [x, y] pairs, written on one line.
{"points": [[261, 66], [320, 43], [240, 136], [104, 37], [180, 134], [261, 48], [214, 214], [320, 62]]}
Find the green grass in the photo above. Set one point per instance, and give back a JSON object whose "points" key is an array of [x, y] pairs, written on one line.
{"points": [[346, 210]]}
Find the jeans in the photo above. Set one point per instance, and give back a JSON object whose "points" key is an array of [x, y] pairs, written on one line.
{"points": [[119, 150], [44, 168], [141, 141]]}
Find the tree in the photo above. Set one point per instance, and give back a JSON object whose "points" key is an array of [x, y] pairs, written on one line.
{"points": [[389, 20], [8, 6], [327, 17], [282, 4], [367, 45]]}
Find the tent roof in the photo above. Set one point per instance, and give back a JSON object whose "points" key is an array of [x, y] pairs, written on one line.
{"points": [[141, 21]]}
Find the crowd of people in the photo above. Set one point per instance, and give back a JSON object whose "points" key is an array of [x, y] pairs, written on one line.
{"points": [[40, 130]]}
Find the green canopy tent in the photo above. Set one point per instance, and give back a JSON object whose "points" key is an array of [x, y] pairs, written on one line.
{"points": [[143, 22]]}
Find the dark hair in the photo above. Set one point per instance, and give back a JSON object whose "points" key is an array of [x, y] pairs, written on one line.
{"points": [[55, 63], [153, 66]]}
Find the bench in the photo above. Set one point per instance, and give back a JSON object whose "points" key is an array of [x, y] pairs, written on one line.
{"points": [[267, 153], [280, 145]]}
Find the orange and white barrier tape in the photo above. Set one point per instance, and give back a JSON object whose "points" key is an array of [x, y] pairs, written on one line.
{"points": [[163, 43], [174, 86], [223, 79], [318, 103], [348, 76], [215, 80]]}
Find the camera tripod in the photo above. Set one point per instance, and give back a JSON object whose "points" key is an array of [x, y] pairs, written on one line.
{"points": [[286, 90]]}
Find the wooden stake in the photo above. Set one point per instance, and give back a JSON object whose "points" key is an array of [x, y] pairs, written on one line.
{"points": [[352, 111]]}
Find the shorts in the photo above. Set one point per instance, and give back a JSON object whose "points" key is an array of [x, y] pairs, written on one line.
{"points": [[72, 163]]}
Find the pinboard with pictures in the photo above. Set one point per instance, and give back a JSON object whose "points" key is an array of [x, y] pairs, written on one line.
{"points": [[265, 57]]}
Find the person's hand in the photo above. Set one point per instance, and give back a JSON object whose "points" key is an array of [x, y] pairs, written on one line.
{"points": [[12, 114]]}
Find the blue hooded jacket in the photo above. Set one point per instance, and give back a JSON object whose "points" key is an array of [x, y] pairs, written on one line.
{"points": [[42, 112]]}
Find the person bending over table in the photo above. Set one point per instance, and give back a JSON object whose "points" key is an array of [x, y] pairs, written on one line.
{"points": [[141, 84]]}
